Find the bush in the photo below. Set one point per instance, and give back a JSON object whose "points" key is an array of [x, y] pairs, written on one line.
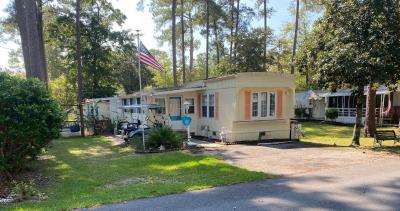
{"points": [[300, 112], [164, 136], [29, 119], [331, 114]]}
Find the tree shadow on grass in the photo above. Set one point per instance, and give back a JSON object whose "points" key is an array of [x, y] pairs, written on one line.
{"points": [[82, 169]]}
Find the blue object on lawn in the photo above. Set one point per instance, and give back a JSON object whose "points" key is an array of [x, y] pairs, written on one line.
{"points": [[74, 128], [186, 120]]}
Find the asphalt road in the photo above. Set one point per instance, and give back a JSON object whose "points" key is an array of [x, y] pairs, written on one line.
{"points": [[372, 185]]}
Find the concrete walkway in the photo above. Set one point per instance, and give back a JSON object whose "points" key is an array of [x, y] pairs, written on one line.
{"points": [[371, 185]]}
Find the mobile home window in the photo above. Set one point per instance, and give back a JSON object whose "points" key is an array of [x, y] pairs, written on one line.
{"points": [[204, 106], [211, 106], [272, 104], [124, 102], [255, 105], [208, 105], [131, 102], [263, 105], [191, 105], [160, 102], [138, 103]]}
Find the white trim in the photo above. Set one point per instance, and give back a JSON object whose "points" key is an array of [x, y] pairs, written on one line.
{"points": [[207, 105], [177, 91], [259, 102]]}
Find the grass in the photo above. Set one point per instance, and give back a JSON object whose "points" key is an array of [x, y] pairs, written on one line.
{"points": [[341, 136], [86, 172]]}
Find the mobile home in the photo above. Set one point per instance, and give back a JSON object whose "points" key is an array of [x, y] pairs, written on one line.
{"points": [[243, 106], [317, 102]]}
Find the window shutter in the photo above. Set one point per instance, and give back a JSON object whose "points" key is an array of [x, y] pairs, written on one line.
{"points": [[247, 104], [199, 104], [216, 106], [279, 104]]}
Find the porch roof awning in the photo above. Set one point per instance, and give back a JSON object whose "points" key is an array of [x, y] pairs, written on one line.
{"points": [[146, 106], [176, 91], [380, 91], [335, 94]]}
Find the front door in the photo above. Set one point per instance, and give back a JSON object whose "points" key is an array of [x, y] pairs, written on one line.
{"points": [[175, 112]]}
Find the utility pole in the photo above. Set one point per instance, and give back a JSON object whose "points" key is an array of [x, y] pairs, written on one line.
{"points": [[79, 65]]}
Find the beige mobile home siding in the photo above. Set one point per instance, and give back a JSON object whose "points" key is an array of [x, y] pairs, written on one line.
{"points": [[276, 128], [226, 106]]}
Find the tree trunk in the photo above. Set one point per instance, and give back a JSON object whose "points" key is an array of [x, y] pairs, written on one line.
{"points": [[296, 29], [216, 40], [207, 34], [191, 48], [183, 43], [79, 65], [41, 38], [357, 127], [237, 25], [265, 32], [231, 28], [370, 121], [28, 25], [173, 16]]}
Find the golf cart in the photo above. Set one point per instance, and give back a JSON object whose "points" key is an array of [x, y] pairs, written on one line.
{"points": [[136, 127]]}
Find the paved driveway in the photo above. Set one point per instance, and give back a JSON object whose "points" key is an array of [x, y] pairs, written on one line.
{"points": [[292, 158], [316, 178]]}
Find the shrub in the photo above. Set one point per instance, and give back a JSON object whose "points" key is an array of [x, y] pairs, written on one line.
{"points": [[300, 112], [29, 119], [24, 190], [331, 114], [160, 136]]}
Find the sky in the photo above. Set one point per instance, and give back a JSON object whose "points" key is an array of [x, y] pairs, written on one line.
{"points": [[144, 22]]}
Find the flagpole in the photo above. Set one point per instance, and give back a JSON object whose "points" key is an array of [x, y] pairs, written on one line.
{"points": [[140, 87]]}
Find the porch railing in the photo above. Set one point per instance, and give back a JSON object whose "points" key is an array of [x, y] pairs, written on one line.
{"points": [[351, 112]]}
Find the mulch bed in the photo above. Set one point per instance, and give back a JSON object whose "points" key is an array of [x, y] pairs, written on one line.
{"points": [[26, 175]]}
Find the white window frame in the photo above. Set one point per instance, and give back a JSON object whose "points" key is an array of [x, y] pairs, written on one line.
{"points": [[192, 105], [259, 117], [207, 105]]}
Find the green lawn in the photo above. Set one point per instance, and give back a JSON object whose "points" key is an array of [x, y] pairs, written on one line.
{"points": [[340, 135], [90, 171]]}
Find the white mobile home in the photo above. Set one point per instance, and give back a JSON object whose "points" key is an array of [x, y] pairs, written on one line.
{"points": [[387, 104], [244, 106]]}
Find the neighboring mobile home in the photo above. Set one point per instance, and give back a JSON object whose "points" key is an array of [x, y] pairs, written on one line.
{"points": [[317, 102], [243, 106]]}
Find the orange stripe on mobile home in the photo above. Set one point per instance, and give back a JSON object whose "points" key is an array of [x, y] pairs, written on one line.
{"points": [[247, 105], [279, 104]]}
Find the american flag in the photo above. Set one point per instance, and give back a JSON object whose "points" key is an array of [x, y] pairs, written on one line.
{"points": [[147, 58]]}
